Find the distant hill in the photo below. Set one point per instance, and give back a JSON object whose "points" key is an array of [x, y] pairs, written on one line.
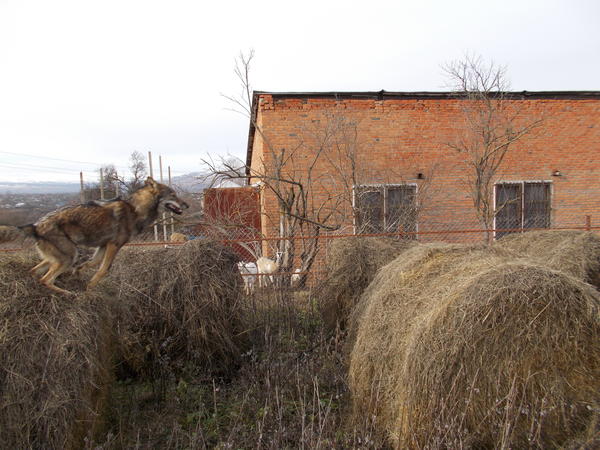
{"points": [[198, 181], [42, 187], [189, 182]]}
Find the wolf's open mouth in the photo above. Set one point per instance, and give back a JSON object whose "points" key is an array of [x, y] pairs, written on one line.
{"points": [[173, 207]]}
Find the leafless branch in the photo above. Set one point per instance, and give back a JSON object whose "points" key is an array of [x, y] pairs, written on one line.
{"points": [[492, 126]]}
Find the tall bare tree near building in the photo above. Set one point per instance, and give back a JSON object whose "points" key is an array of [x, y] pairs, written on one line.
{"points": [[492, 126], [307, 200], [313, 180]]}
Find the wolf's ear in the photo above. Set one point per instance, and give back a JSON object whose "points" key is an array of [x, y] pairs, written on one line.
{"points": [[150, 182]]}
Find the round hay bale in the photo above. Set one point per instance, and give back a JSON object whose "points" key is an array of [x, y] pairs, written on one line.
{"points": [[179, 306], [351, 266], [55, 360], [574, 252], [466, 347]]}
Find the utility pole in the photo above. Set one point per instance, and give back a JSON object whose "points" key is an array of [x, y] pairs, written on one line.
{"points": [[81, 192], [101, 184], [171, 214], [152, 175], [164, 216]]}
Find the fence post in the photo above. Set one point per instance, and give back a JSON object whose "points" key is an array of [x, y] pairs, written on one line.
{"points": [[101, 184], [152, 175], [164, 215], [588, 223], [81, 191]]}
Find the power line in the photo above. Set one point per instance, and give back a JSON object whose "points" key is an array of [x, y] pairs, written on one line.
{"points": [[41, 169], [63, 170], [36, 166], [54, 159], [60, 159]]}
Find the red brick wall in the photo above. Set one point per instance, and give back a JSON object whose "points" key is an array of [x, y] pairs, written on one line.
{"points": [[401, 137]]}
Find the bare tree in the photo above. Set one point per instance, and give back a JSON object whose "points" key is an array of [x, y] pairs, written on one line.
{"points": [[138, 171], [492, 125], [307, 201], [303, 208], [313, 180], [119, 184]]}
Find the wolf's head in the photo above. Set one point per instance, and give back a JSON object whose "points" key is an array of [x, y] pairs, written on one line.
{"points": [[167, 196]]}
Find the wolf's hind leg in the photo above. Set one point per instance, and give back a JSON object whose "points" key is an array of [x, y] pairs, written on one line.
{"points": [[94, 261], [55, 270], [60, 254], [109, 256], [40, 269]]}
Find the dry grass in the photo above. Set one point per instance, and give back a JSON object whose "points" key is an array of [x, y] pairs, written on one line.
{"points": [[178, 307], [468, 347], [55, 366], [290, 392], [352, 264], [574, 252]]}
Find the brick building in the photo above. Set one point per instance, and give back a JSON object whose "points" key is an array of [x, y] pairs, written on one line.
{"points": [[385, 164]]}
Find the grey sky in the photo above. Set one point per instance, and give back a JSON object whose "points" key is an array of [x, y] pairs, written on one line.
{"points": [[91, 81]]}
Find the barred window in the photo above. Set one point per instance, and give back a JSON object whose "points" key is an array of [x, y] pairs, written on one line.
{"points": [[386, 208], [521, 206]]}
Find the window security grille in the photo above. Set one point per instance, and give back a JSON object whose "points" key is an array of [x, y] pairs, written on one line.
{"points": [[386, 208], [521, 206]]}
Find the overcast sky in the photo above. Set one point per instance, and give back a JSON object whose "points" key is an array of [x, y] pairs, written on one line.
{"points": [[87, 82]]}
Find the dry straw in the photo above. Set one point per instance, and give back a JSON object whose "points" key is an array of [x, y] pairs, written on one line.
{"points": [[470, 347], [351, 266], [55, 366], [179, 307], [574, 252], [160, 309]]}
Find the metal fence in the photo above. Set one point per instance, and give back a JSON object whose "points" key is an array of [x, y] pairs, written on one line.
{"points": [[248, 244]]}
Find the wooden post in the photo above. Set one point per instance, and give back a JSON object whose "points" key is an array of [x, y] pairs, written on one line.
{"points": [[101, 184], [81, 191], [588, 223], [164, 216], [152, 175], [150, 163], [171, 214]]}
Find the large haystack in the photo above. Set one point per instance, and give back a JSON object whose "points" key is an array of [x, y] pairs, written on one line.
{"points": [[55, 365], [178, 306], [466, 347], [573, 252], [351, 266]]}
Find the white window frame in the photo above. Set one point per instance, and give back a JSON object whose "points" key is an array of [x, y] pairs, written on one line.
{"points": [[382, 185]]}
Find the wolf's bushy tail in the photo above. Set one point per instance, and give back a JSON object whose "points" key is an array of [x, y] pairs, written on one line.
{"points": [[8, 233]]}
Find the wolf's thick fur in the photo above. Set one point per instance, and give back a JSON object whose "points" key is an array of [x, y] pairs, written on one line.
{"points": [[106, 225]]}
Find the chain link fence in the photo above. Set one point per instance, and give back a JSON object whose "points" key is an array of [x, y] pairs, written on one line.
{"points": [[250, 245]]}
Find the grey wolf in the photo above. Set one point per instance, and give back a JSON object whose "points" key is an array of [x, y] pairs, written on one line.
{"points": [[105, 225]]}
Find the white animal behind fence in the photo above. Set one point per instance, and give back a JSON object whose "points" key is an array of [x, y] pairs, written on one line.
{"points": [[248, 271], [266, 267], [296, 276]]}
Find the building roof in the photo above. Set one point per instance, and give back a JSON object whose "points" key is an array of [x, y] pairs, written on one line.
{"points": [[426, 94], [383, 95]]}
